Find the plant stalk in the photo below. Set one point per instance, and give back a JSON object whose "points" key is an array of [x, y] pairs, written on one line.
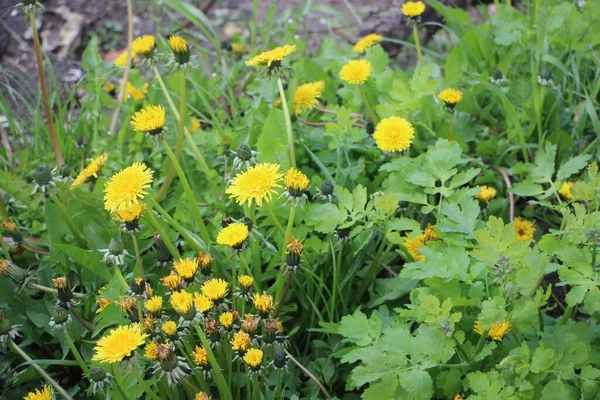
{"points": [[372, 115], [418, 44], [63, 210], [77, 354], [288, 124], [138, 257]]}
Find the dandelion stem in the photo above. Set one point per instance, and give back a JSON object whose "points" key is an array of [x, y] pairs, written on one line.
{"points": [[76, 354], [189, 386], [39, 369], [44, 89], [81, 320], [274, 218], [308, 373], [47, 289], [149, 392], [186, 132], [63, 210], [279, 284], [189, 194], [283, 296], [288, 124], [367, 105], [217, 373], [279, 387], [250, 212], [451, 127], [126, 70], [418, 44], [154, 222], [138, 257], [179, 138]]}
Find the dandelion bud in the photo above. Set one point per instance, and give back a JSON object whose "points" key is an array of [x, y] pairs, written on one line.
{"points": [[65, 295], [11, 229], [205, 261], [293, 253], [180, 49], [248, 222], [65, 171], [43, 179], [327, 188], [129, 306], [250, 324], [296, 184], [244, 153], [370, 128], [60, 319], [138, 286], [116, 246], [18, 275], [97, 374], [280, 360], [163, 256], [497, 74], [273, 327], [226, 221]]}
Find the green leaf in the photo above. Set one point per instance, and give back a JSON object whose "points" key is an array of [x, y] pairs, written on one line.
{"points": [[542, 359], [88, 259], [324, 218], [526, 189], [359, 329], [418, 383], [542, 170], [461, 217], [91, 58], [559, 390], [272, 142], [573, 166], [492, 311]]}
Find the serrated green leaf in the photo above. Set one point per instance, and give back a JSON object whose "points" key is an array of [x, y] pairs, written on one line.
{"points": [[573, 166], [324, 218]]}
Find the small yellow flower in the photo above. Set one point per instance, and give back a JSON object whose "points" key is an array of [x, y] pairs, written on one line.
{"points": [[241, 341], [202, 303], [182, 302], [257, 184], [497, 331], [429, 234], [128, 304], [413, 9], [59, 282], [204, 261], [263, 302], [149, 120], [127, 187], [169, 328], [202, 396], [238, 49], [246, 281], [268, 58], [294, 246], [450, 96], [9, 226], [524, 229], [133, 92], [413, 245], [194, 124], [356, 72], [200, 356], [214, 289], [130, 213], [296, 182], [91, 172], [226, 319], [180, 48], [565, 190], [186, 268], [363, 44], [44, 394], [394, 134], [119, 344], [253, 358], [102, 303], [172, 282], [154, 305], [307, 96], [458, 396], [121, 60], [144, 45], [150, 351], [233, 235], [486, 194], [110, 88]]}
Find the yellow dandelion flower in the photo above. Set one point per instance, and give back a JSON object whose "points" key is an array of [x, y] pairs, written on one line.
{"points": [[110, 88], [150, 120], [204, 260], [172, 282], [102, 303], [186, 267], [215, 289], [200, 356], [294, 246], [565, 190], [180, 48], [121, 60], [363, 44], [296, 182], [151, 351], [202, 396], [246, 281], [497, 331], [356, 72], [91, 172], [59, 282], [226, 319], [194, 124], [429, 234], [182, 302], [128, 304], [271, 57], [241, 341], [263, 302], [307, 96], [413, 245], [253, 358], [524, 229], [133, 92], [233, 235], [202, 303], [394, 134], [458, 396], [413, 9], [127, 187], [257, 184], [130, 213], [238, 49], [144, 45], [169, 328], [119, 344], [486, 194], [154, 304], [149, 322], [450, 96], [44, 394]]}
